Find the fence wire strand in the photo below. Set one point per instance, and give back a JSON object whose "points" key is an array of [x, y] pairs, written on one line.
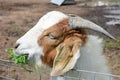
{"points": [[8, 64]]}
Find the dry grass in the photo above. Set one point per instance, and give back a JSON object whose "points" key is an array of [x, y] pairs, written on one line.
{"points": [[112, 52]]}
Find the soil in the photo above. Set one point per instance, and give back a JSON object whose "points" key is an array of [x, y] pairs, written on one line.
{"points": [[18, 16]]}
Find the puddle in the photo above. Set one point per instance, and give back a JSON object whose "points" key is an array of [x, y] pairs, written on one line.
{"points": [[106, 13], [117, 17], [113, 15], [95, 3], [115, 11], [113, 22]]}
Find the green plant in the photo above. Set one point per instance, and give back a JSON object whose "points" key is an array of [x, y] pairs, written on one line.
{"points": [[22, 59], [112, 52], [19, 60], [113, 44]]}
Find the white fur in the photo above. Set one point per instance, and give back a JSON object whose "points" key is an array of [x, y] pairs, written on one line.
{"points": [[57, 78], [28, 42], [76, 57], [91, 59]]}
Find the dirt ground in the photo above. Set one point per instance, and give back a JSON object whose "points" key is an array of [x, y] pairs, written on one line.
{"points": [[18, 16]]}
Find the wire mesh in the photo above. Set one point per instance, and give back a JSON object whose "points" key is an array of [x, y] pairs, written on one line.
{"points": [[91, 75], [8, 71]]}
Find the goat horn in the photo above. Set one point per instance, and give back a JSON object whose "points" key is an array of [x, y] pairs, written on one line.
{"points": [[76, 21]]}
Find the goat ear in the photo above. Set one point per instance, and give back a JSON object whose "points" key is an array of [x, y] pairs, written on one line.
{"points": [[67, 54]]}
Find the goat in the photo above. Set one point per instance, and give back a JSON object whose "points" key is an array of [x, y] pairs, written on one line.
{"points": [[60, 42]]}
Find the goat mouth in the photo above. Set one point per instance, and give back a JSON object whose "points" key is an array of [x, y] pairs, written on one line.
{"points": [[22, 54], [29, 58]]}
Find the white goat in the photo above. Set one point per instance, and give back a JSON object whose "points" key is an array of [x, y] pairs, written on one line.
{"points": [[59, 41]]}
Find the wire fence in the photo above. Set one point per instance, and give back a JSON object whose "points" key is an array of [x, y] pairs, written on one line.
{"points": [[9, 71], [91, 75], [5, 70]]}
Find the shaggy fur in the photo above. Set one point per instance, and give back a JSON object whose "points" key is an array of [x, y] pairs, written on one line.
{"points": [[55, 29], [91, 59]]}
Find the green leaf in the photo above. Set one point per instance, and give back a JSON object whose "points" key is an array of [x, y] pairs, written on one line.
{"points": [[19, 60]]}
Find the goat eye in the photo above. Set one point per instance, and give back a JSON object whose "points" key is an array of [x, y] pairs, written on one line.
{"points": [[51, 36]]}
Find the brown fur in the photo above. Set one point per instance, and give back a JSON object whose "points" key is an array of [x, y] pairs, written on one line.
{"points": [[59, 32], [48, 44], [78, 33]]}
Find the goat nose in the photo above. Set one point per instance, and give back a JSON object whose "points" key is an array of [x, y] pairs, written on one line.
{"points": [[17, 45]]}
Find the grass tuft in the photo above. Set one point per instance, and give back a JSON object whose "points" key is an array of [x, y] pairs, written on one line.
{"points": [[113, 44], [112, 52], [19, 60]]}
